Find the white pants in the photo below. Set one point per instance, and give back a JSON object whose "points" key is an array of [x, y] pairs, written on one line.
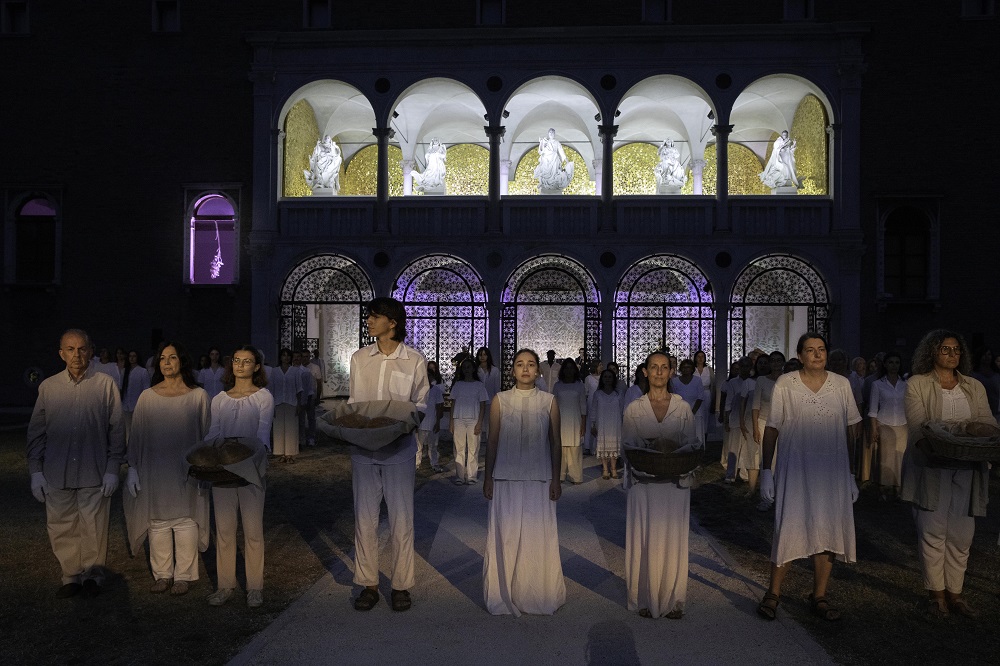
{"points": [[166, 536], [891, 446], [572, 464], [427, 439], [466, 450], [944, 536], [395, 484], [286, 431], [77, 521], [249, 501]]}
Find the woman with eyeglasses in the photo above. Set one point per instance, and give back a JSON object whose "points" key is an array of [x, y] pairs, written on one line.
{"points": [[947, 494]]}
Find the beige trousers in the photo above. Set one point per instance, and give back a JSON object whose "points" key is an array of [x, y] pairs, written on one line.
{"points": [[286, 431], [168, 536], [944, 536], [249, 502], [395, 484], [572, 464], [77, 520]]}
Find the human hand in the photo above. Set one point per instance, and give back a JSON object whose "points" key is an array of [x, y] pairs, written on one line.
{"points": [[756, 434], [132, 481], [39, 486], [855, 493], [555, 489], [110, 484], [767, 485], [488, 488], [477, 430]]}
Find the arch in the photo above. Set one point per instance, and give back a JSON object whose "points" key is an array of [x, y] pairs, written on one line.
{"points": [[662, 301], [775, 299], [549, 302], [322, 306], [437, 108], [445, 303], [33, 238], [212, 239], [317, 109]]}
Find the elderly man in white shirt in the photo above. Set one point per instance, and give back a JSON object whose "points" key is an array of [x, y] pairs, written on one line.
{"points": [[386, 370]]}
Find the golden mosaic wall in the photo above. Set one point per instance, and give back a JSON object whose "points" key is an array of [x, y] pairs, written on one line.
{"points": [[633, 169], [361, 175], [811, 158], [524, 181], [744, 172], [468, 171], [301, 134]]}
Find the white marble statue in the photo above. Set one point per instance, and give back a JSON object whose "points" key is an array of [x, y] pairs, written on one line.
{"points": [[552, 176], [780, 169], [323, 175], [432, 178], [670, 173]]}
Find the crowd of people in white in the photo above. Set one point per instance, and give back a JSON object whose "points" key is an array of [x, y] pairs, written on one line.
{"points": [[801, 433]]}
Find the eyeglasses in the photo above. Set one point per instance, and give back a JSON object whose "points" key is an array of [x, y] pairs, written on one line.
{"points": [[243, 361], [949, 351]]}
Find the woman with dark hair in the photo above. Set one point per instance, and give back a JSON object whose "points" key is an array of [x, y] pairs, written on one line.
{"points": [[605, 415], [888, 423], [813, 423], [690, 388], [210, 376], [706, 374], [286, 389], [947, 494], [468, 410], [571, 397], [489, 375], [658, 510], [162, 500], [639, 386], [430, 424], [134, 382], [244, 411]]}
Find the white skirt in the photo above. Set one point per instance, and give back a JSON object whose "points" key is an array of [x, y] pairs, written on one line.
{"points": [[656, 547], [523, 575]]}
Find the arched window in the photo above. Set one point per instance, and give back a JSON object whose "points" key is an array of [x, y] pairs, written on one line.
{"points": [[33, 242], [212, 241]]}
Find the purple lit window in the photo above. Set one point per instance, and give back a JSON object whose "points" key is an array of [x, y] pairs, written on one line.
{"points": [[35, 242], [213, 246]]}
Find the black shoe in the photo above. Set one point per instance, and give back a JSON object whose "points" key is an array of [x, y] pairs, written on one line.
{"points": [[90, 588], [68, 590], [366, 600]]}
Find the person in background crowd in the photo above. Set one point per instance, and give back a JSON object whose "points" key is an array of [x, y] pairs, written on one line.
{"points": [[983, 370], [489, 375], [210, 378], [888, 423], [468, 410], [76, 445], [307, 407], [605, 412], [571, 398], [134, 382], [430, 424], [549, 370], [285, 385], [761, 406]]}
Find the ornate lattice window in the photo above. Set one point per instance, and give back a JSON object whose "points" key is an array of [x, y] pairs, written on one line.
{"points": [[322, 306], [663, 301], [549, 302], [775, 299], [446, 308]]}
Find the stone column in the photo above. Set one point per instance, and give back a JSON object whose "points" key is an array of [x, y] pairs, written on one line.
{"points": [[598, 175], [382, 135], [495, 133], [721, 133], [505, 166], [407, 176], [607, 132], [697, 169]]}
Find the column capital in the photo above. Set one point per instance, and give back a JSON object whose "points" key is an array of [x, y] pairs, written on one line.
{"points": [[383, 132], [607, 131], [721, 131], [834, 128], [494, 131], [698, 164]]}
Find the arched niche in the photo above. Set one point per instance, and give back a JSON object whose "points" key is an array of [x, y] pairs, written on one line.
{"points": [[549, 302], [445, 303], [662, 301], [322, 306], [775, 299], [781, 102], [318, 109]]}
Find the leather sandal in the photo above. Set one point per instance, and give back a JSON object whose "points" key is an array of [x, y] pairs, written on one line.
{"points": [[366, 600], [962, 607], [401, 600], [768, 606], [822, 609]]}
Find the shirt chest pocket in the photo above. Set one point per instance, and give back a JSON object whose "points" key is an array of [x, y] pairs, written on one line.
{"points": [[399, 385]]}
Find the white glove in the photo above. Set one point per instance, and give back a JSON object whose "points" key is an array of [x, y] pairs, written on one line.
{"points": [[767, 485], [132, 481], [854, 490], [39, 486], [110, 484]]}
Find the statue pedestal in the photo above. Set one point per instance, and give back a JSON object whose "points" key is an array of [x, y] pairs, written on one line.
{"points": [[542, 190], [785, 190], [439, 189], [668, 189], [323, 192]]}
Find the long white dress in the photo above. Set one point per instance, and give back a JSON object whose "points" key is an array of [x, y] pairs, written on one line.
{"points": [[522, 570], [692, 392], [812, 478], [606, 412], [657, 515]]}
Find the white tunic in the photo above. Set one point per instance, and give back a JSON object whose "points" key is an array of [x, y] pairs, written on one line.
{"points": [[887, 402], [211, 380], [572, 400], [606, 411], [812, 477]]}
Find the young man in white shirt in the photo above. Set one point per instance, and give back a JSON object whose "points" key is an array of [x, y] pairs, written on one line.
{"points": [[386, 370]]}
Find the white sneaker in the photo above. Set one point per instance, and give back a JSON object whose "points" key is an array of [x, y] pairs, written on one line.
{"points": [[220, 596], [255, 598]]}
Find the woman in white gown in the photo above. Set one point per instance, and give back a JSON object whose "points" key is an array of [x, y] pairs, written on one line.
{"points": [[605, 416], [813, 422], [522, 570], [658, 511], [571, 397]]}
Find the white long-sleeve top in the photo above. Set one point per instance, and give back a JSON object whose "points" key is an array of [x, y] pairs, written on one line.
{"points": [[138, 381], [242, 417], [491, 380], [286, 386], [211, 380], [887, 402]]}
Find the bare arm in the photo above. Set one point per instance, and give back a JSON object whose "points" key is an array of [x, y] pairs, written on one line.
{"points": [[770, 439], [491, 448], [555, 447]]}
